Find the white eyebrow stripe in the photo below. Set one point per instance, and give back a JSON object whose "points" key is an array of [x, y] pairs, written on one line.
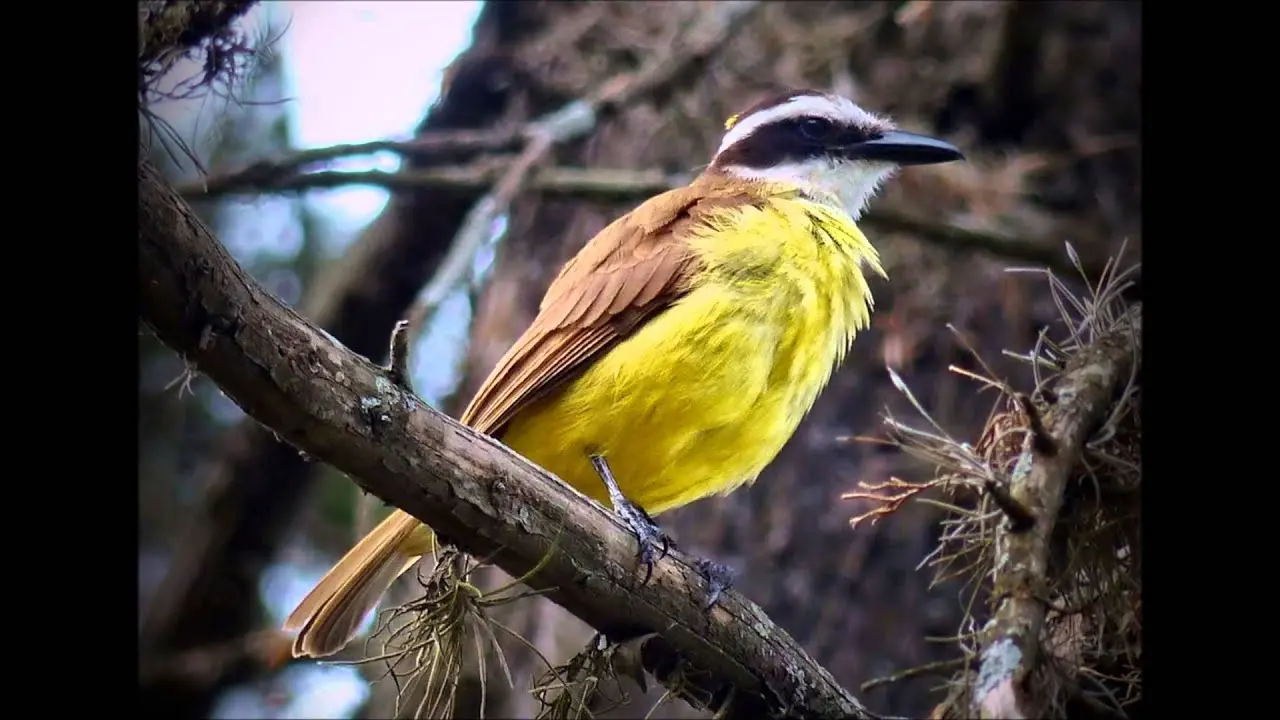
{"points": [[836, 108]]}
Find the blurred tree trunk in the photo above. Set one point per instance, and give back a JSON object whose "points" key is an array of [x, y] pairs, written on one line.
{"points": [[853, 598]]}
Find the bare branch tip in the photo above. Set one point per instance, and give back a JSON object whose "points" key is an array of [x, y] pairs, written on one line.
{"points": [[398, 366]]}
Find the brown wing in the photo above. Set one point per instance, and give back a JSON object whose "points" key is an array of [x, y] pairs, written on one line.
{"points": [[635, 267]]}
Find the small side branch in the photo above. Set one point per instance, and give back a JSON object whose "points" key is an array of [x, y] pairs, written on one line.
{"points": [[1085, 393]]}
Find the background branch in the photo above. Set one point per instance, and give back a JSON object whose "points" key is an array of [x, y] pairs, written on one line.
{"points": [[589, 183], [615, 184], [315, 393], [283, 172]]}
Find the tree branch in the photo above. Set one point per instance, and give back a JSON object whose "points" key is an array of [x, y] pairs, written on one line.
{"points": [[620, 185], [1086, 391], [341, 408], [284, 173], [588, 183]]}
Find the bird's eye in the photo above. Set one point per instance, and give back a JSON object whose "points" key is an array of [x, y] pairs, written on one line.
{"points": [[814, 128]]}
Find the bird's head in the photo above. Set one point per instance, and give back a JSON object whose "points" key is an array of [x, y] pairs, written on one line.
{"points": [[823, 143]]}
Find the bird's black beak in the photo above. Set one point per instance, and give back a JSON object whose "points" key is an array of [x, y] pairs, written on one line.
{"points": [[904, 148]]}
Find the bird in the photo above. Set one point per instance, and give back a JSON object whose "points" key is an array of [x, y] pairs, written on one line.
{"points": [[676, 353]]}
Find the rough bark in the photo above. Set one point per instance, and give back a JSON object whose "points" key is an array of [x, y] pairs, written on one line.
{"points": [[342, 409]]}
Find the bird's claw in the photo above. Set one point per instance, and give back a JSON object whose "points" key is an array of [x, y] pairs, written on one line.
{"points": [[647, 532], [654, 544]]}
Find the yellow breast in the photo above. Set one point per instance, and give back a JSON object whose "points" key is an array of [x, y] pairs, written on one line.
{"points": [[705, 394]]}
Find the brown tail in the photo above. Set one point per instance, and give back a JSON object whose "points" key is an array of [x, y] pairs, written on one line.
{"points": [[329, 616]]}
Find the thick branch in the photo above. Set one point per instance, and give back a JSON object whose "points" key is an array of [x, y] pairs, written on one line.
{"points": [[1086, 391], [341, 408]]}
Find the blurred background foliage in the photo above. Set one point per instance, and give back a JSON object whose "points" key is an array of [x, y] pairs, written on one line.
{"points": [[234, 526]]}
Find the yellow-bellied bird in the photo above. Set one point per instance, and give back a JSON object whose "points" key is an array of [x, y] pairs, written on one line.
{"points": [[676, 353]]}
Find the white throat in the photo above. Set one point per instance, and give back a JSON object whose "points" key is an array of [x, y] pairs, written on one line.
{"points": [[848, 185]]}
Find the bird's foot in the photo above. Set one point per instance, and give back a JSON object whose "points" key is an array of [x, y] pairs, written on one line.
{"points": [[719, 578], [654, 543]]}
